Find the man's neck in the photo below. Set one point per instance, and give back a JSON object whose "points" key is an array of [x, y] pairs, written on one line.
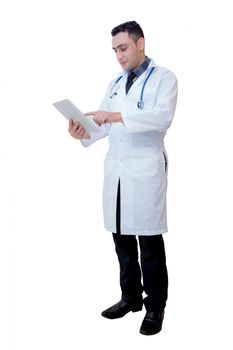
{"points": [[139, 63]]}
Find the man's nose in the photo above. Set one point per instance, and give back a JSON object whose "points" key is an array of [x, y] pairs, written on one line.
{"points": [[119, 56]]}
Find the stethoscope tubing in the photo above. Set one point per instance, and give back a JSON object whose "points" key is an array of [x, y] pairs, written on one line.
{"points": [[140, 103]]}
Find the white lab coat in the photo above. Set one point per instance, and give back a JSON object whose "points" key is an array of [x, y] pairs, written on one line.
{"points": [[136, 152]]}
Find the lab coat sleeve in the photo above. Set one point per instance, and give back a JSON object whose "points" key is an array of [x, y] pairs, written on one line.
{"points": [[95, 136], [159, 117], [104, 129]]}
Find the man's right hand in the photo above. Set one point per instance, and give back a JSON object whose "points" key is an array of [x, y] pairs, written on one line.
{"points": [[77, 131]]}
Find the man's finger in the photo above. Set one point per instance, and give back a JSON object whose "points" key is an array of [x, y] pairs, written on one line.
{"points": [[90, 113], [70, 124]]}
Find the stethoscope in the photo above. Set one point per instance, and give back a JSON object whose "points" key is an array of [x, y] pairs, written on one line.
{"points": [[115, 87]]}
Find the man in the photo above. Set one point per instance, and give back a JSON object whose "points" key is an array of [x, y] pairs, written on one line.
{"points": [[136, 112]]}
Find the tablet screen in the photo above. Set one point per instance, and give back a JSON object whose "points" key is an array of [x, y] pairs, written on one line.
{"points": [[69, 110]]}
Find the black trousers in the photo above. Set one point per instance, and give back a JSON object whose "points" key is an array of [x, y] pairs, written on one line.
{"points": [[151, 267]]}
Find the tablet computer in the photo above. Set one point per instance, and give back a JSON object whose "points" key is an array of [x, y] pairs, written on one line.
{"points": [[69, 110]]}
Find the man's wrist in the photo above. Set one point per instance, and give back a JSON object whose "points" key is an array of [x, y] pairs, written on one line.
{"points": [[115, 117]]}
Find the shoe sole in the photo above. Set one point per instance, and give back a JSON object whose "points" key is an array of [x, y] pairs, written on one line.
{"points": [[150, 333], [135, 309]]}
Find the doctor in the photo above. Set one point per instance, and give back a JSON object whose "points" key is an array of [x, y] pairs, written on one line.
{"points": [[135, 114]]}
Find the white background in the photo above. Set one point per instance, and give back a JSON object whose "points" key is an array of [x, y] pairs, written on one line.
{"points": [[58, 268]]}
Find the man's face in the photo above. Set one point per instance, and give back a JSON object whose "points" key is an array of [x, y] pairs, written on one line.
{"points": [[129, 53]]}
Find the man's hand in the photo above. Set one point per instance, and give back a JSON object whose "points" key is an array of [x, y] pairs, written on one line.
{"points": [[103, 117], [77, 131]]}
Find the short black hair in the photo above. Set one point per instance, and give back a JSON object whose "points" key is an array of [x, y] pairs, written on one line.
{"points": [[132, 28]]}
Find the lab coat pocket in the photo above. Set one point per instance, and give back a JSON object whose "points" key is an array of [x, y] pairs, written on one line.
{"points": [[163, 162]]}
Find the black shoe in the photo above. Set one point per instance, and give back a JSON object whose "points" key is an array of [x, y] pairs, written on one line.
{"points": [[152, 323], [121, 309]]}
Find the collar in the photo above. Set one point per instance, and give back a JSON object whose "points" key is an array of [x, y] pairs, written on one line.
{"points": [[142, 68], [123, 74]]}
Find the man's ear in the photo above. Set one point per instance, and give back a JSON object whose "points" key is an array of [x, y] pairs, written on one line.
{"points": [[141, 44]]}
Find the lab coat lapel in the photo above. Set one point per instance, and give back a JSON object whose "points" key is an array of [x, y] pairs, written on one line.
{"points": [[123, 83], [135, 84]]}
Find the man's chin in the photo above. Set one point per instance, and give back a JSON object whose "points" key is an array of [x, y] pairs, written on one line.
{"points": [[125, 66]]}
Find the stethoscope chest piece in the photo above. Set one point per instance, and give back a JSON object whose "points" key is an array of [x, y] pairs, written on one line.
{"points": [[140, 104]]}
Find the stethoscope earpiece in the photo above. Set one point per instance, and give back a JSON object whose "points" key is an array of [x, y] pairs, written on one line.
{"points": [[115, 93]]}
